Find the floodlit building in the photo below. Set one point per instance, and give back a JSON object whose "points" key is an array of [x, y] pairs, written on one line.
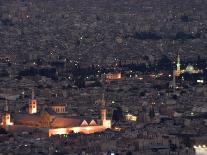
{"points": [[189, 69], [86, 126], [113, 76], [33, 104], [58, 108], [6, 118], [56, 124]]}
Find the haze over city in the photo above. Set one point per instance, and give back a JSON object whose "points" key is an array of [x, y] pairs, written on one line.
{"points": [[110, 77]]}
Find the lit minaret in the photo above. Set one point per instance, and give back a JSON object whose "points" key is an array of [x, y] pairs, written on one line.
{"points": [[178, 71], [33, 104], [6, 118], [103, 109], [105, 123]]}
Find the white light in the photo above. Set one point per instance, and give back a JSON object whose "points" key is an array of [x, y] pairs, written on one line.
{"points": [[200, 81]]}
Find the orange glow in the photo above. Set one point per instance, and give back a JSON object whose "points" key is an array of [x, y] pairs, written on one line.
{"points": [[82, 129], [107, 124], [6, 120], [76, 129], [113, 76], [92, 123], [130, 117], [33, 107], [59, 131], [88, 128]]}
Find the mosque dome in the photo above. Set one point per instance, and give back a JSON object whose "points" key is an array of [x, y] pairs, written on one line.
{"points": [[189, 69]]}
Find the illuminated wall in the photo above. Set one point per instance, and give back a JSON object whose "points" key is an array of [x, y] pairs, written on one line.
{"points": [[107, 124], [33, 107], [114, 76], [103, 115], [130, 117], [200, 150], [6, 120], [85, 130], [58, 109]]}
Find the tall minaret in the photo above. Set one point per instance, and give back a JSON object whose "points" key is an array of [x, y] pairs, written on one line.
{"points": [[178, 71], [105, 123], [6, 108], [6, 118], [103, 108], [33, 104], [174, 80]]}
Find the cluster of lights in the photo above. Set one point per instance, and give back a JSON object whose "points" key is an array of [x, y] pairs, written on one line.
{"points": [[140, 78], [130, 117], [200, 81], [117, 129], [199, 146], [153, 103]]}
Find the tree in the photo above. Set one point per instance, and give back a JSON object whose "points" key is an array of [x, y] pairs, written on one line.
{"points": [[117, 114], [165, 63], [152, 113], [2, 131]]}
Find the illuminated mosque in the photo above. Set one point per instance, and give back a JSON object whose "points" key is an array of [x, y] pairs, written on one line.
{"points": [[189, 69], [56, 124]]}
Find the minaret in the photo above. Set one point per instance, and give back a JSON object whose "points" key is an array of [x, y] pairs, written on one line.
{"points": [[6, 108], [6, 118], [33, 104], [178, 71], [103, 108], [105, 123], [174, 80]]}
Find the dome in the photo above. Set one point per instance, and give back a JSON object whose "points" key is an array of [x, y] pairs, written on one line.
{"points": [[189, 69]]}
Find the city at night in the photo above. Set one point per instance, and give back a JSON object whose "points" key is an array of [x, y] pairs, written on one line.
{"points": [[103, 77]]}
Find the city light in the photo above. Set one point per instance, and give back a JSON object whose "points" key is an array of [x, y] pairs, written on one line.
{"points": [[103, 77], [131, 117]]}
